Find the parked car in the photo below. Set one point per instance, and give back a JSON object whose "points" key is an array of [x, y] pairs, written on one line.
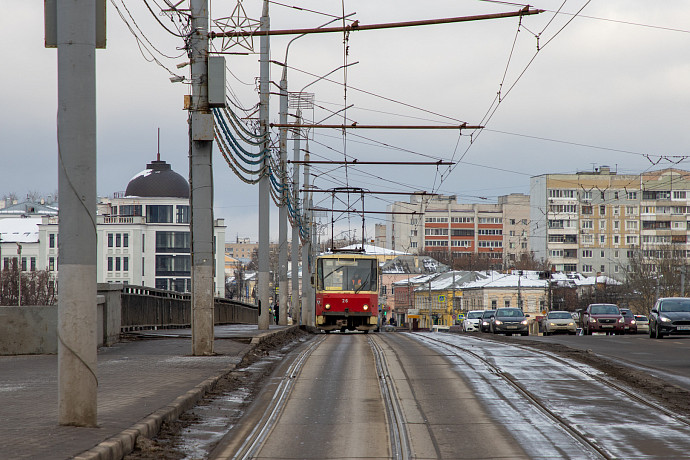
{"points": [[559, 321], [670, 315], [471, 322], [602, 317], [630, 322], [485, 321], [642, 324], [509, 321]]}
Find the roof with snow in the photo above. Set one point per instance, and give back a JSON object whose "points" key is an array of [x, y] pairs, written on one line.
{"points": [[413, 264], [19, 230], [499, 280], [373, 250]]}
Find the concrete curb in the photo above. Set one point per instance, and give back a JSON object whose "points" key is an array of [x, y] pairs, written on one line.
{"points": [[116, 447]]}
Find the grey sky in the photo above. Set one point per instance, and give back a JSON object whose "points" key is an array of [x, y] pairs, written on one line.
{"points": [[610, 90]]}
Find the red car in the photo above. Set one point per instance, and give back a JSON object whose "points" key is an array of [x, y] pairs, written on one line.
{"points": [[603, 317], [630, 322]]}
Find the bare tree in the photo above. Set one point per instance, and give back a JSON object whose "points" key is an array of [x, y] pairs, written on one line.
{"points": [[651, 274], [38, 287]]}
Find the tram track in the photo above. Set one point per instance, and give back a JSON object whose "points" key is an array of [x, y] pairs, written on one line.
{"points": [[400, 440], [577, 431], [254, 441]]}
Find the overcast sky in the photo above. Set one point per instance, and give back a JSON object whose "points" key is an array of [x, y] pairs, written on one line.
{"points": [[608, 87]]}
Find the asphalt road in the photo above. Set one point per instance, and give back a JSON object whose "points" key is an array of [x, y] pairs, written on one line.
{"points": [[666, 358]]}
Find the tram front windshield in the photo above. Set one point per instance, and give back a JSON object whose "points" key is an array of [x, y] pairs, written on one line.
{"points": [[347, 274]]}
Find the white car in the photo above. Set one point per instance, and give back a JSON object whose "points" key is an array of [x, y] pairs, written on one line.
{"points": [[642, 324], [472, 319]]}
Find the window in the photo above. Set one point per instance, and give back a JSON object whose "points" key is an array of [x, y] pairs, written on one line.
{"points": [[678, 195], [558, 193], [143, 243], [173, 242], [110, 264], [602, 209], [603, 268], [616, 239], [507, 303], [462, 220], [489, 231], [602, 224], [24, 264], [631, 225], [490, 220], [51, 240], [436, 220], [587, 269], [602, 239], [435, 231], [616, 225], [51, 264], [601, 254], [587, 224], [524, 245], [615, 195], [631, 239], [130, 210], [143, 264], [587, 239], [33, 264], [125, 240], [159, 214], [632, 195], [169, 265], [118, 240], [413, 244], [512, 221], [616, 210], [110, 240], [587, 253], [603, 195], [125, 264], [586, 195], [182, 214], [631, 210], [615, 269], [586, 210], [494, 304], [118, 264]]}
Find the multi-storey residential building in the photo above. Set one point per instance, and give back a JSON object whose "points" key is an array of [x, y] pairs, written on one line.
{"points": [[587, 222], [664, 215], [441, 224]]}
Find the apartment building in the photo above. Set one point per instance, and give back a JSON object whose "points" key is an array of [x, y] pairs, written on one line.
{"points": [[593, 222], [440, 224]]}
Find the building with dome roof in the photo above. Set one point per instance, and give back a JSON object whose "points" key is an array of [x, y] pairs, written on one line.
{"points": [[144, 235]]}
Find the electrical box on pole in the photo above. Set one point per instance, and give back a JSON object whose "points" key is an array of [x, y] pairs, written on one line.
{"points": [[216, 81]]}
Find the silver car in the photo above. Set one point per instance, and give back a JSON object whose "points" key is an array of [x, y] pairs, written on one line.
{"points": [[559, 321], [642, 324]]}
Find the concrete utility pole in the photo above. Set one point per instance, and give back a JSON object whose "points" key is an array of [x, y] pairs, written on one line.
{"points": [[294, 249], [201, 184], [76, 126], [264, 183], [306, 248], [282, 211]]}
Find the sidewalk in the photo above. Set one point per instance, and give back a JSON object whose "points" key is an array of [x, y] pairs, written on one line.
{"points": [[141, 383]]}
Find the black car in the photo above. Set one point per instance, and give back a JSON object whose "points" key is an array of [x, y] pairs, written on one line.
{"points": [[485, 321], [670, 315], [509, 321]]}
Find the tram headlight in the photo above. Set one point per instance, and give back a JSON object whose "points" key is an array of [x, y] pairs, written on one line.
{"points": [[365, 307], [327, 306]]}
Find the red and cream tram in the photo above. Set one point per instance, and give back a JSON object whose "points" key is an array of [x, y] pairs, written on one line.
{"points": [[347, 292]]}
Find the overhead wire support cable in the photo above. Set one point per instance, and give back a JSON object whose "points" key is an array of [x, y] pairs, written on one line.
{"points": [[358, 126], [356, 162], [356, 26], [355, 211]]}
